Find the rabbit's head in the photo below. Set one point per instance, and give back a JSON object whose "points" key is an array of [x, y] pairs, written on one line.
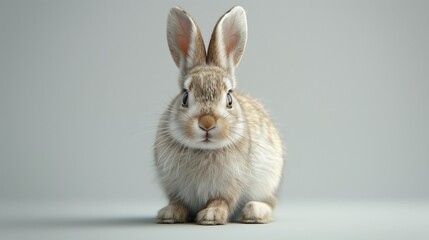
{"points": [[206, 113]]}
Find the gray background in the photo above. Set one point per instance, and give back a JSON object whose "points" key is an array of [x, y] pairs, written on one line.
{"points": [[83, 83]]}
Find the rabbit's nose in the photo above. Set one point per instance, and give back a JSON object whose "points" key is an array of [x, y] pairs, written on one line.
{"points": [[207, 122]]}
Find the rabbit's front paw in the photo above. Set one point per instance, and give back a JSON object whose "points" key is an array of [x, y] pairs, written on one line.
{"points": [[213, 216]]}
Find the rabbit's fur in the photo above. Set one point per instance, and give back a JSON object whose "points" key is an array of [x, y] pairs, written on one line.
{"points": [[216, 152]]}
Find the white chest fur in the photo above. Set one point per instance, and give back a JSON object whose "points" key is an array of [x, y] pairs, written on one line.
{"points": [[196, 176]]}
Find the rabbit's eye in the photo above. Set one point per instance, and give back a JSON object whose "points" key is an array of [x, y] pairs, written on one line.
{"points": [[228, 100], [185, 99]]}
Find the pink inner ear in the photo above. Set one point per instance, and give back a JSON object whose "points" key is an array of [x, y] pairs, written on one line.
{"points": [[230, 43], [230, 36], [183, 35], [183, 44]]}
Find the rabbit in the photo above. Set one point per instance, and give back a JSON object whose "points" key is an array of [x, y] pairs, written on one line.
{"points": [[217, 153]]}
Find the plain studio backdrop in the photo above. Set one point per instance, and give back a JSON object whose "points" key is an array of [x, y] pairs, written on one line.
{"points": [[83, 84]]}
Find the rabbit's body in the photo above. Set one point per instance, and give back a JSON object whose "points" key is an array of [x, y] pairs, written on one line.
{"points": [[216, 150]]}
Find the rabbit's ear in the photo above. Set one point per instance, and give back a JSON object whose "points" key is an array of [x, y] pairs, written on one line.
{"points": [[228, 39], [184, 40]]}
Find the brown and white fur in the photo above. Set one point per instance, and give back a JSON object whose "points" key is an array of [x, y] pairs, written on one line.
{"points": [[217, 152]]}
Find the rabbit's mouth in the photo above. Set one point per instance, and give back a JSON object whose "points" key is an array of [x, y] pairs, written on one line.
{"points": [[208, 136]]}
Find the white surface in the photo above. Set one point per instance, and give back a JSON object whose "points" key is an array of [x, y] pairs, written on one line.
{"points": [[294, 220]]}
